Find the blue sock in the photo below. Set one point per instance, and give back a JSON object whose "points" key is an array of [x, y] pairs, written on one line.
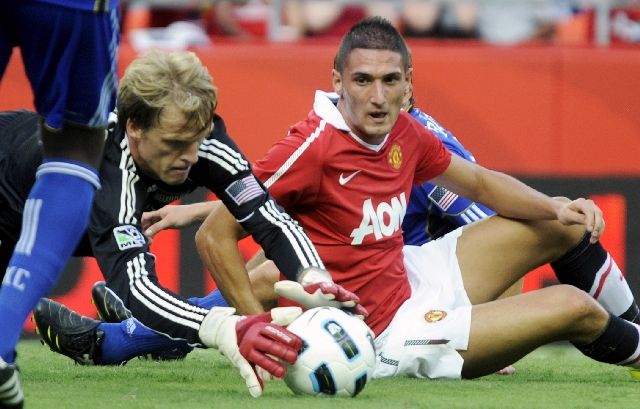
{"points": [[56, 215], [130, 338], [215, 299]]}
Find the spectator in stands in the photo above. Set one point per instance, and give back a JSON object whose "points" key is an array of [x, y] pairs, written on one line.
{"points": [[323, 18], [440, 18], [512, 22]]}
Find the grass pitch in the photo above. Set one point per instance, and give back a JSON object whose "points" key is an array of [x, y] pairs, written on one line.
{"points": [[552, 377]]}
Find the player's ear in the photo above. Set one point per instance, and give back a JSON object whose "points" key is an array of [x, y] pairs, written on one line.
{"points": [[337, 81], [408, 90], [133, 131]]}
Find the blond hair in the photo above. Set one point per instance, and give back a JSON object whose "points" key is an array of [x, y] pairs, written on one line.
{"points": [[160, 78]]}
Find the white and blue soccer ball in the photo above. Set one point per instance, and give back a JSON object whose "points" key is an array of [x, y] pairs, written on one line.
{"points": [[338, 356]]}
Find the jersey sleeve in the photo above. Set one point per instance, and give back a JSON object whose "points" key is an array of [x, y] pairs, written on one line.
{"points": [[435, 156], [290, 170], [229, 175]]}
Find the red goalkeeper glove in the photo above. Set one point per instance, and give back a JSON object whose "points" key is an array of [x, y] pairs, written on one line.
{"points": [[317, 289], [253, 340]]}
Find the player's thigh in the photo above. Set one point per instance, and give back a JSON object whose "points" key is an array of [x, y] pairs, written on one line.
{"points": [[7, 244], [73, 73], [505, 330], [7, 35], [494, 253]]}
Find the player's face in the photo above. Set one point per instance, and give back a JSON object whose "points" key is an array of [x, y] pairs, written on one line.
{"points": [[166, 152], [373, 86]]}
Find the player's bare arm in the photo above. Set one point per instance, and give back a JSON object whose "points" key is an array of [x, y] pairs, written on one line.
{"points": [[217, 241], [511, 198], [175, 217]]}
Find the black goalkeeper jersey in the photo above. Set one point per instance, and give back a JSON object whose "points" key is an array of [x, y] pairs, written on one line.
{"points": [[115, 231]]}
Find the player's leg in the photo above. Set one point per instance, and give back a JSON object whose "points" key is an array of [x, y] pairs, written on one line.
{"points": [[592, 269], [76, 55], [91, 342], [494, 252], [504, 331], [124, 340], [7, 35]]}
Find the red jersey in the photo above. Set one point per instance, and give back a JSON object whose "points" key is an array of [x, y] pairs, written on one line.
{"points": [[351, 197]]}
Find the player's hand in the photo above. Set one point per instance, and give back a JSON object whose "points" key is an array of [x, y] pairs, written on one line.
{"points": [[585, 212], [253, 340], [317, 289], [167, 217]]}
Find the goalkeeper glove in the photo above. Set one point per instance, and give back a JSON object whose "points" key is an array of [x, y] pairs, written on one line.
{"points": [[253, 340], [315, 288]]}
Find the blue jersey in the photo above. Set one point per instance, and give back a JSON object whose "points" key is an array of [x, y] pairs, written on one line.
{"points": [[434, 211]]}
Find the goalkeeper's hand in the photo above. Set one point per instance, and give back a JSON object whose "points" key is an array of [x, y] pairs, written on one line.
{"points": [[253, 340], [315, 288]]}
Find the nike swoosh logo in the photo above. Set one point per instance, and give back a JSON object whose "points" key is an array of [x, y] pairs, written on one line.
{"points": [[344, 180]]}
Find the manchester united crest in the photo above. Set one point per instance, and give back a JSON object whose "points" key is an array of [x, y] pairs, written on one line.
{"points": [[434, 315], [395, 156]]}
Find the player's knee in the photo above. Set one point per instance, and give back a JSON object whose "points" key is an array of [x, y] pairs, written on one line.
{"points": [[583, 315], [74, 141], [559, 238]]}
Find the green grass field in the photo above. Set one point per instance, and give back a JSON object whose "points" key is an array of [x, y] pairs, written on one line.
{"points": [[551, 377]]}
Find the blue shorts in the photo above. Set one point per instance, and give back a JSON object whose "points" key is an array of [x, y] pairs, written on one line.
{"points": [[70, 58]]}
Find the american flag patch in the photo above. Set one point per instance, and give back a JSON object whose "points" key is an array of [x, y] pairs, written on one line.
{"points": [[245, 189], [442, 197]]}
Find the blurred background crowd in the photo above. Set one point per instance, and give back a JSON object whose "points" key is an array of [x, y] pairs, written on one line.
{"points": [[503, 22]]}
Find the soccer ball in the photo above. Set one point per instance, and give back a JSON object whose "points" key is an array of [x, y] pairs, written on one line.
{"points": [[338, 356]]}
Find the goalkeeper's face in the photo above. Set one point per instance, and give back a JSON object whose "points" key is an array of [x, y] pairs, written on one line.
{"points": [[167, 151]]}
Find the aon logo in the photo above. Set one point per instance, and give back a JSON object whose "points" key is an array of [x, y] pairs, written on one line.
{"points": [[382, 221]]}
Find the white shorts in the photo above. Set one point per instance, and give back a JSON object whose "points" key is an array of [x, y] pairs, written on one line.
{"points": [[430, 327]]}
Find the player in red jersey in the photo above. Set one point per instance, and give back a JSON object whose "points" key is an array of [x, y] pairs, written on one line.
{"points": [[345, 173]]}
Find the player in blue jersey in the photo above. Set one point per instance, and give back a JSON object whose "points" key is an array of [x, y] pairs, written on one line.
{"points": [[69, 52]]}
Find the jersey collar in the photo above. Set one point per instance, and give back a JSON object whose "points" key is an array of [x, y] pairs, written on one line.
{"points": [[325, 106]]}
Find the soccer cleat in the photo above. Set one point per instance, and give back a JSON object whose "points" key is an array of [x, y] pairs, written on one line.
{"points": [[110, 307], [67, 332], [11, 395]]}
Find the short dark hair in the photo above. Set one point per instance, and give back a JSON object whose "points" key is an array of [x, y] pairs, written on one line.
{"points": [[372, 33]]}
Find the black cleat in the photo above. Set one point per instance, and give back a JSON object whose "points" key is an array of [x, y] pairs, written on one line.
{"points": [[67, 332], [11, 395], [110, 307]]}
